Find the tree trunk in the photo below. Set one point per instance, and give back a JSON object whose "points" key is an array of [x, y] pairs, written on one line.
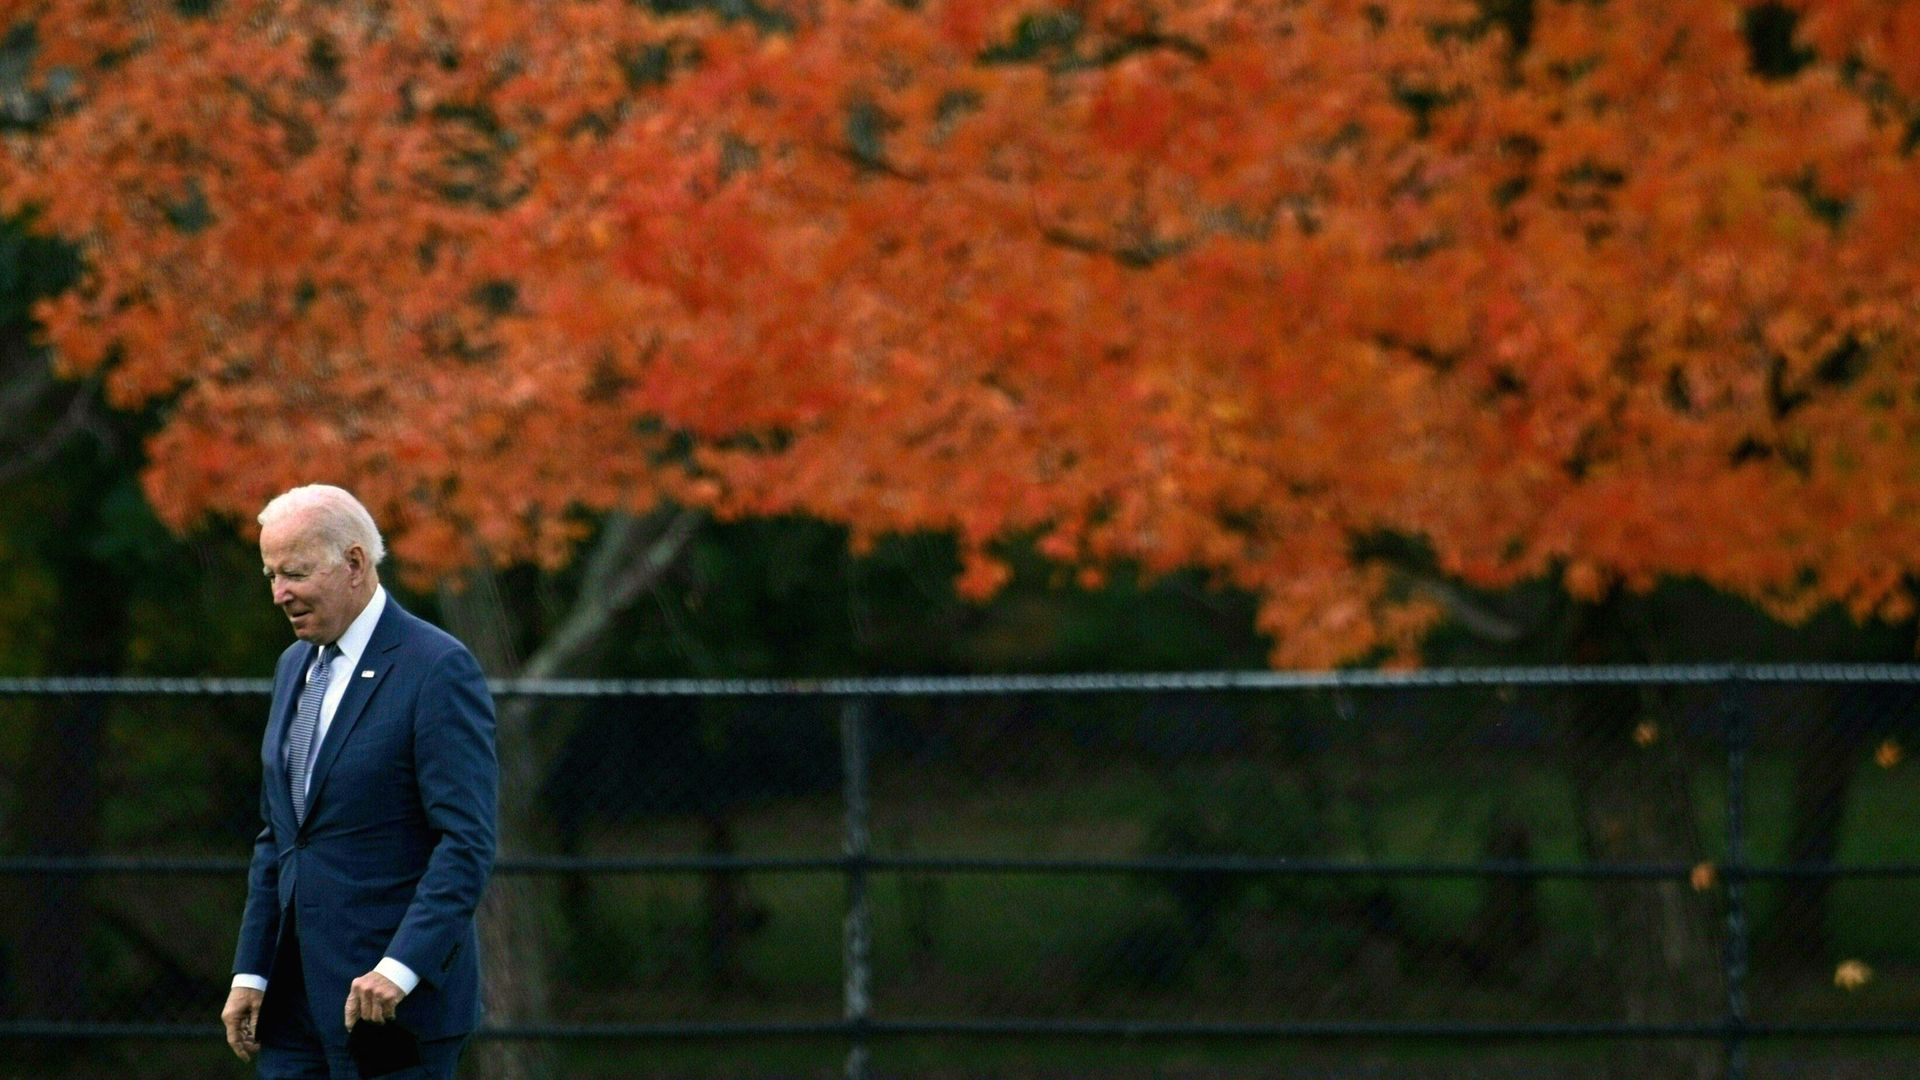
{"points": [[1830, 751], [514, 954], [1503, 938], [726, 911], [1636, 806], [515, 944], [1633, 791]]}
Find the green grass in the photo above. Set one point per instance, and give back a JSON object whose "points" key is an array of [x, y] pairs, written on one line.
{"points": [[976, 944], [958, 945]]}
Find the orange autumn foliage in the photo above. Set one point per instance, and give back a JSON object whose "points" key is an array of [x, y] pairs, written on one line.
{"points": [[1214, 283]]}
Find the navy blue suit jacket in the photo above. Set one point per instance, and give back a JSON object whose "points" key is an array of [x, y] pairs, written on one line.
{"points": [[399, 835]]}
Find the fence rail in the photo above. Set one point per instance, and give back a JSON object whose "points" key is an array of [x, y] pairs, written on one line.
{"points": [[1090, 683], [1364, 754], [748, 864]]}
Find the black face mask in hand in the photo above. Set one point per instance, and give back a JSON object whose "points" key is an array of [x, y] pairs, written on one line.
{"points": [[380, 1049]]}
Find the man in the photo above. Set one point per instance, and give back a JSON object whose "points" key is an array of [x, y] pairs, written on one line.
{"points": [[377, 802]]}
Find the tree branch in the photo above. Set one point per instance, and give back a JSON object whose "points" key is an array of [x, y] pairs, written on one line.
{"points": [[77, 418], [1462, 608], [628, 557], [1138, 256], [627, 561]]}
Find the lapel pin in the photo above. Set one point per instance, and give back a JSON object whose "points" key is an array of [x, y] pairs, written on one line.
{"points": [[366, 674]]}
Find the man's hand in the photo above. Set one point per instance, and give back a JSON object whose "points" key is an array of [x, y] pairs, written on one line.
{"points": [[242, 1019], [372, 998]]}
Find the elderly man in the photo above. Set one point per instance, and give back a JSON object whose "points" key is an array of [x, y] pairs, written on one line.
{"points": [[377, 805]]}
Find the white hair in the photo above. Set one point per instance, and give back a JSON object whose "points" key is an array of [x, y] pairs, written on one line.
{"points": [[338, 520]]}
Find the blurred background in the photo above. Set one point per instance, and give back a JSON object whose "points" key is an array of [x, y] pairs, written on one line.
{"points": [[1099, 538]]}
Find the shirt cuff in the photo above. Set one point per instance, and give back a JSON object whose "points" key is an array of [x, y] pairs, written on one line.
{"points": [[402, 975], [251, 982]]}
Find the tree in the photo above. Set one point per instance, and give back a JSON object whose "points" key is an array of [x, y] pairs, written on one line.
{"points": [[1572, 290], [1349, 304]]}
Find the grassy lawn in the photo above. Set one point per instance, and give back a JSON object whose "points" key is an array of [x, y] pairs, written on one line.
{"points": [[979, 944], [973, 945]]}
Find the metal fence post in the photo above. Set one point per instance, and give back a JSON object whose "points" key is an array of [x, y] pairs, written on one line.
{"points": [[1739, 738], [857, 934]]}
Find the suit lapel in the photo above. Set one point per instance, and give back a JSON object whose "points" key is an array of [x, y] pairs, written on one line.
{"points": [[360, 688], [286, 695]]}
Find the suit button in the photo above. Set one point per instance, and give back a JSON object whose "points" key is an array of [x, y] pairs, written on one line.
{"points": [[300, 843]]}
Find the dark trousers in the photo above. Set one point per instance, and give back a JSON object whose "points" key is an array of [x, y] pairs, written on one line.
{"points": [[290, 1044]]}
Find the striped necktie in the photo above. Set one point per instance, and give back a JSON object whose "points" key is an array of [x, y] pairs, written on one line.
{"points": [[306, 721]]}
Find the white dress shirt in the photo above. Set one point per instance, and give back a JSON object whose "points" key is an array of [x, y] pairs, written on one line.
{"points": [[352, 645]]}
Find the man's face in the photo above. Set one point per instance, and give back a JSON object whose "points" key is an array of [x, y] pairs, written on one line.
{"points": [[318, 590]]}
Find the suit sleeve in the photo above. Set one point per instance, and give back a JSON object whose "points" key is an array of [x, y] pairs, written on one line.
{"points": [[260, 923], [459, 776]]}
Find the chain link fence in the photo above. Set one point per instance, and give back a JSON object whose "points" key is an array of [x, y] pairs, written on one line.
{"points": [[1651, 873]]}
